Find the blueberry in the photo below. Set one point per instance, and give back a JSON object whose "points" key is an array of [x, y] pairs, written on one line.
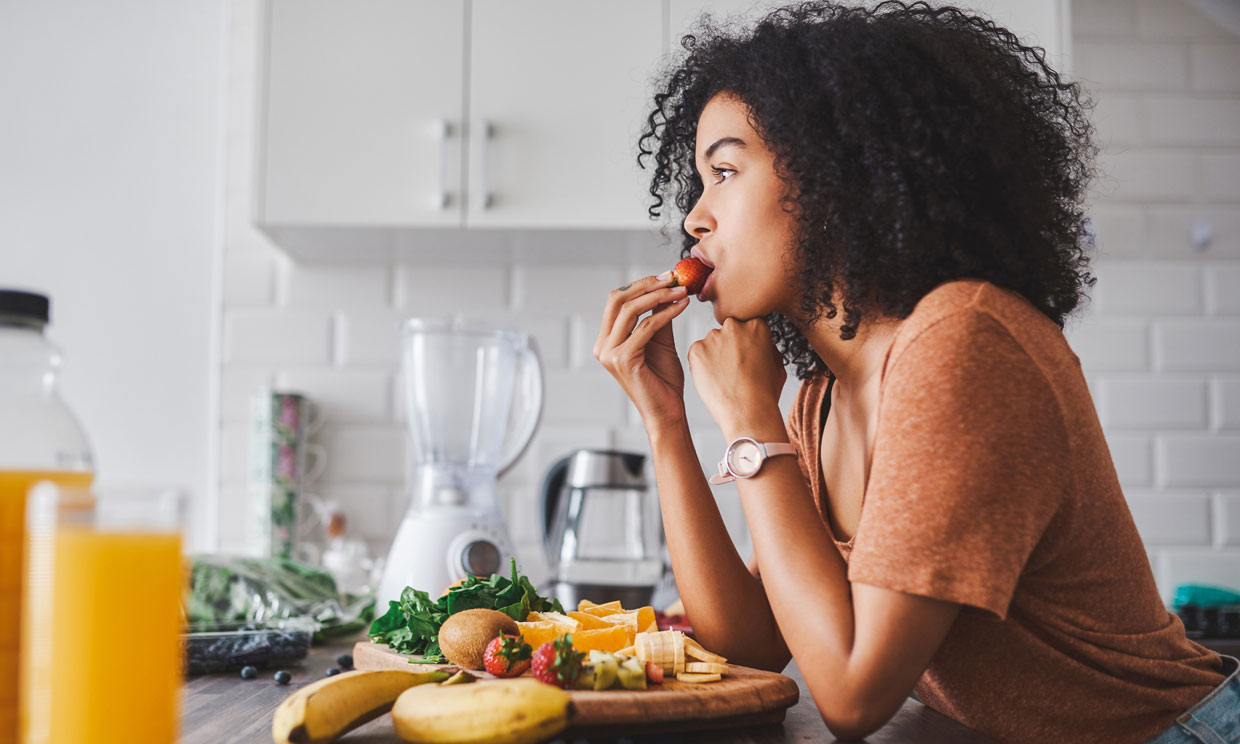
{"points": [[248, 672], [345, 661], [332, 672], [283, 677]]}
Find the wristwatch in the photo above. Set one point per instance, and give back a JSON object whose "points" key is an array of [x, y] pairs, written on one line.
{"points": [[744, 458]]}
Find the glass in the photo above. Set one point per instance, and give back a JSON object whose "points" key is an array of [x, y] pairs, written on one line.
{"points": [[102, 618]]}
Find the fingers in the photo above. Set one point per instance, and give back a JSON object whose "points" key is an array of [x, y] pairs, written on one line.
{"points": [[615, 304], [653, 323], [627, 319]]}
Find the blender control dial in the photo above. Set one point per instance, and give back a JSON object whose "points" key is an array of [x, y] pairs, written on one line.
{"points": [[480, 558]]}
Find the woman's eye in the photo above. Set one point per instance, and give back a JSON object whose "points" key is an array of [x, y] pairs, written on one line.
{"points": [[718, 173]]}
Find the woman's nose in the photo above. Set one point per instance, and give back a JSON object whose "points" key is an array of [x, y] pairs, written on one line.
{"points": [[699, 223]]}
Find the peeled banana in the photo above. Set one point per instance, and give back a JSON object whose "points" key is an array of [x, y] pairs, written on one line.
{"points": [[325, 710], [671, 650], [666, 649], [510, 711]]}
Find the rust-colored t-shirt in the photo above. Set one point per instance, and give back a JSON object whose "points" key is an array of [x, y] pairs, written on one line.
{"points": [[991, 485]]}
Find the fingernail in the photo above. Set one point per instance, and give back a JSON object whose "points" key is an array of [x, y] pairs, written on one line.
{"points": [[664, 276], [678, 289]]}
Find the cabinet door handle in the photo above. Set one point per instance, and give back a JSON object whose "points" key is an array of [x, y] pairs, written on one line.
{"points": [[484, 157], [442, 131]]}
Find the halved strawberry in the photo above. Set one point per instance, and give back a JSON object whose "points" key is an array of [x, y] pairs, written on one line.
{"points": [[691, 274], [654, 673]]}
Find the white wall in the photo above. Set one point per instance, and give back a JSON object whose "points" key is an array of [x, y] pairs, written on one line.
{"points": [[1161, 342], [110, 165]]}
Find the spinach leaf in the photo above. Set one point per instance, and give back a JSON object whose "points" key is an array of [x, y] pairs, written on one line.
{"points": [[411, 626]]}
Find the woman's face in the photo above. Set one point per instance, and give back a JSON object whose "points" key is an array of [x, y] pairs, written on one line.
{"points": [[743, 230]]}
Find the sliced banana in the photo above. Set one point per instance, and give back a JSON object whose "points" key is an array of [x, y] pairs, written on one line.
{"points": [[706, 667], [694, 650], [698, 679]]}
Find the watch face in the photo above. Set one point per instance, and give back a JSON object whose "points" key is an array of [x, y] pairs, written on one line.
{"points": [[744, 458]]}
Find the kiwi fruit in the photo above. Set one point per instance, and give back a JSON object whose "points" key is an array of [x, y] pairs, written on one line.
{"points": [[463, 637]]}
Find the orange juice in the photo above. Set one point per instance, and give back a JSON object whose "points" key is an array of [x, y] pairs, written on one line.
{"points": [[13, 487], [102, 654]]}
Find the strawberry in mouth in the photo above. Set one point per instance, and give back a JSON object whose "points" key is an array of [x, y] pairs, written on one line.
{"points": [[691, 274]]}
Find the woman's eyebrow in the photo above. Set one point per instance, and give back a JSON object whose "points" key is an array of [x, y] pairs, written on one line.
{"points": [[722, 142]]}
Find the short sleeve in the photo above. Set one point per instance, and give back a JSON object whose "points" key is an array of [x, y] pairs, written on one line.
{"points": [[801, 425], [793, 426], [970, 463]]}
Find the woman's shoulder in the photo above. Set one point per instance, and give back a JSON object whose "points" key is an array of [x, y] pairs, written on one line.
{"points": [[972, 316]]}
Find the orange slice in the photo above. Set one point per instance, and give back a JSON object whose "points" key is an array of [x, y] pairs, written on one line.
{"points": [[539, 632], [645, 617], [611, 639], [588, 621], [612, 605]]}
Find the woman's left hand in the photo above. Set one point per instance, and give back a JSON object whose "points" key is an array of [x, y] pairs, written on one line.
{"points": [[739, 375]]}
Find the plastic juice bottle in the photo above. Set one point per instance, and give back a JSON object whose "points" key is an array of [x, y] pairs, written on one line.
{"points": [[40, 439]]}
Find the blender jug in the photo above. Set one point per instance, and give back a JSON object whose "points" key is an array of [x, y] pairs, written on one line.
{"points": [[473, 397], [603, 530]]}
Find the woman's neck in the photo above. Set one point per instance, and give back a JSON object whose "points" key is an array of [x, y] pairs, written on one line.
{"points": [[858, 362]]}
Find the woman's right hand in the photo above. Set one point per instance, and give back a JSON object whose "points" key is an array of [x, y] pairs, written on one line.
{"points": [[642, 355]]}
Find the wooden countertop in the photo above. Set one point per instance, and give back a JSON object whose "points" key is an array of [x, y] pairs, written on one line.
{"points": [[225, 709]]}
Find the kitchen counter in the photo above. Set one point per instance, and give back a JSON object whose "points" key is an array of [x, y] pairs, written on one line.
{"points": [[225, 709]]}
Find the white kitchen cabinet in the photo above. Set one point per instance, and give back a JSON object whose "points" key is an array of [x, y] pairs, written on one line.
{"points": [[559, 91], [363, 113], [484, 113], [376, 108]]}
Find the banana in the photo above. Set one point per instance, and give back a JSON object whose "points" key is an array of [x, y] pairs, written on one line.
{"points": [[325, 710], [705, 667], [511, 711]]}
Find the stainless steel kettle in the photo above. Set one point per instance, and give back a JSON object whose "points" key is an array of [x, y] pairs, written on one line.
{"points": [[602, 529]]}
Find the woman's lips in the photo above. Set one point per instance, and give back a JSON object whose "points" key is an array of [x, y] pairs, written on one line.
{"points": [[707, 294]]}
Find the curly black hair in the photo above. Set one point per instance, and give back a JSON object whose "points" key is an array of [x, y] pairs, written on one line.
{"points": [[918, 144]]}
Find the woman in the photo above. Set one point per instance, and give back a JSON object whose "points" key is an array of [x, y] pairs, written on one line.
{"points": [[890, 200]]}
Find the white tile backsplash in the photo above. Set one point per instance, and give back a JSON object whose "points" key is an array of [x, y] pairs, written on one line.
{"points": [[1152, 403], [1197, 346], [1227, 520], [1170, 518], [1150, 288], [277, 337], [1160, 344], [1202, 460]]}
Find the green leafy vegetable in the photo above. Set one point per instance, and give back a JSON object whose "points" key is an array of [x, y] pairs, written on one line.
{"points": [[235, 589], [411, 626]]}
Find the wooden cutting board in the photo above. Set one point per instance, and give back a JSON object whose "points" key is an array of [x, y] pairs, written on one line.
{"points": [[744, 697]]}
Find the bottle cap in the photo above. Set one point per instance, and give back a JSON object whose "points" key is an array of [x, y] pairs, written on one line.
{"points": [[30, 307]]}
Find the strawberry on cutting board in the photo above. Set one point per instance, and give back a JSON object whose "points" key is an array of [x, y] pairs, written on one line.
{"points": [[507, 656], [557, 663], [691, 274]]}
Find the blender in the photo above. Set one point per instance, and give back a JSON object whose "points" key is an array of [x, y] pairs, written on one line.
{"points": [[473, 396]]}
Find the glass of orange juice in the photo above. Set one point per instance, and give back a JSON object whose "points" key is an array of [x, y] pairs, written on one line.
{"points": [[101, 652]]}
